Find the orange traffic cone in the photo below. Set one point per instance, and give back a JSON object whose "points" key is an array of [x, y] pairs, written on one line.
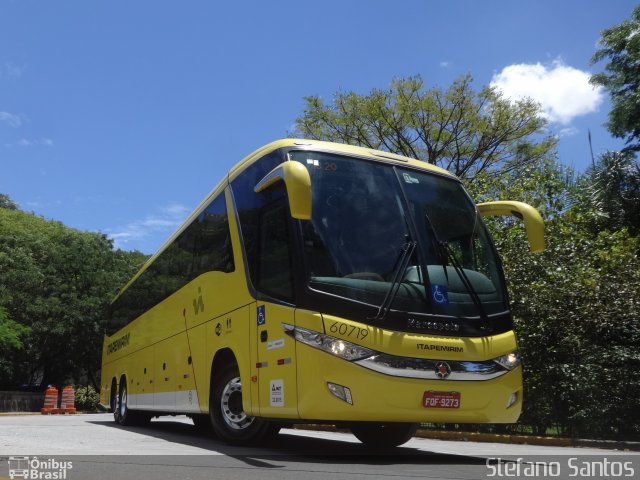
{"points": [[67, 404], [50, 401]]}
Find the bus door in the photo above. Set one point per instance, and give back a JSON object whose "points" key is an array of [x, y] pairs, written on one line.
{"points": [[275, 365]]}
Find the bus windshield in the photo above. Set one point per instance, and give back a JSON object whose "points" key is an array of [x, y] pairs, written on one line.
{"points": [[387, 233]]}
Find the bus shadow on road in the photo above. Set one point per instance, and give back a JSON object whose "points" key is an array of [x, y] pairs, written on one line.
{"points": [[289, 446]]}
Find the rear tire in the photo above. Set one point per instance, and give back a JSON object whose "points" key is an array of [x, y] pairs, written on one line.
{"points": [[122, 414], [384, 435], [228, 419], [113, 399]]}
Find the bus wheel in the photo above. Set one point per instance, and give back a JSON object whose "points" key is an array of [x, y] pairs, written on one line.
{"points": [[113, 399], [122, 415], [384, 435], [228, 419]]}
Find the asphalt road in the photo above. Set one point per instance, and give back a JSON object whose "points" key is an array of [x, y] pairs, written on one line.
{"points": [[170, 448]]}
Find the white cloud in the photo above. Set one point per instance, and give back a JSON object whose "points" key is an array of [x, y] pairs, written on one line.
{"points": [[162, 223], [568, 132], [14, 71], [445, 64], [563, 92], [10, 119], [26, 142], [176, 209]]}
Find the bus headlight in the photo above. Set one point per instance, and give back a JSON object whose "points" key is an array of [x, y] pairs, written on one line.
{"points": [[509, 361], [335, 346]]}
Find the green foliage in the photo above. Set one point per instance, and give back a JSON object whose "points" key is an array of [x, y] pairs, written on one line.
{"points": [[87, 399], [463, 131], [56, 283], [6, 202], [11, 340], [10, 332], [620, 45], [575, 305], [610, 193]]}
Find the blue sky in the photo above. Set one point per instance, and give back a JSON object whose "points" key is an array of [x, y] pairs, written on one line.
{"points": [[121, 116]]}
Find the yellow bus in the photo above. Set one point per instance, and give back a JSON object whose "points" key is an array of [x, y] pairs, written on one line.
{"points": [[325, 283]]}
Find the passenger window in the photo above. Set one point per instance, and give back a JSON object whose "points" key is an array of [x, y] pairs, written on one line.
{"points": [[213, 242], [204, 246]]}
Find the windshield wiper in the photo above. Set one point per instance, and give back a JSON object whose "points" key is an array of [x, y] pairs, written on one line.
{"points": [[399, 270], [450, 255], [443, 247]]}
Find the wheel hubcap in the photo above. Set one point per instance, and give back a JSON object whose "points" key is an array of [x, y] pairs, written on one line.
{"points": [[231, 406], [123, 402]]}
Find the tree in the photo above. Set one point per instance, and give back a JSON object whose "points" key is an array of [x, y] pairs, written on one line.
{"points": [[575, 306], [11, 336], [6, 202], [463, 131], [56, 283], [610, 193], [621, 46]]}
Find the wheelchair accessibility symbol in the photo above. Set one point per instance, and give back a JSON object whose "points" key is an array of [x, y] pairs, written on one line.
{"points": [[440, 294], [261, 316]]}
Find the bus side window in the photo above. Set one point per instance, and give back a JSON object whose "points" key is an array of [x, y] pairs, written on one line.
{"points": [[213, 249], [274, 254]]}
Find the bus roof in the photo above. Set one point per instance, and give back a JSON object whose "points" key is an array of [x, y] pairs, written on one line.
{"points": [[339, 148], [303, 144]]}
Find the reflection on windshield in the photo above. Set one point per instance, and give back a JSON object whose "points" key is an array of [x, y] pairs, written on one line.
{"points": [[365, 212]]}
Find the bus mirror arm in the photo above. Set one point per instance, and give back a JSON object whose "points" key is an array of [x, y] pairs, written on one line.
{"points": [[298, 183], [533, 224]]}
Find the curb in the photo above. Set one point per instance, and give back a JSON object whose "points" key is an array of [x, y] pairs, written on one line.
{"points": [[496, 438], [503, 438], [17, 414]]}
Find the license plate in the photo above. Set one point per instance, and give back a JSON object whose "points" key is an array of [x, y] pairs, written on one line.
{"points": [[433, 399]]}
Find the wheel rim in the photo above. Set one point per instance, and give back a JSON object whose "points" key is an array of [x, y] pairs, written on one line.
{"points": [[123, 402], [231, 406]]}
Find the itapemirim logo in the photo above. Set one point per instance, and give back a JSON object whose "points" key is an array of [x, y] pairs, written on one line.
{"points": [[36, 469]]}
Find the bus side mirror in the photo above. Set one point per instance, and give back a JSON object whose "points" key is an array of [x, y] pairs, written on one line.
{"points": [[533, 224], [298, 182]]}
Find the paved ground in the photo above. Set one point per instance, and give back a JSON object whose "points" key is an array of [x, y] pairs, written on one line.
{"points": [[170, 448]]}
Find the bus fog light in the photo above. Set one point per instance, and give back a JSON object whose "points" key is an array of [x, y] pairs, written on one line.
{"points": [[513, 398], [343, 393]]}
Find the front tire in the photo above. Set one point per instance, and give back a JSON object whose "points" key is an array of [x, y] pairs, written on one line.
{"points": [[384, 435], [228, 419]]}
